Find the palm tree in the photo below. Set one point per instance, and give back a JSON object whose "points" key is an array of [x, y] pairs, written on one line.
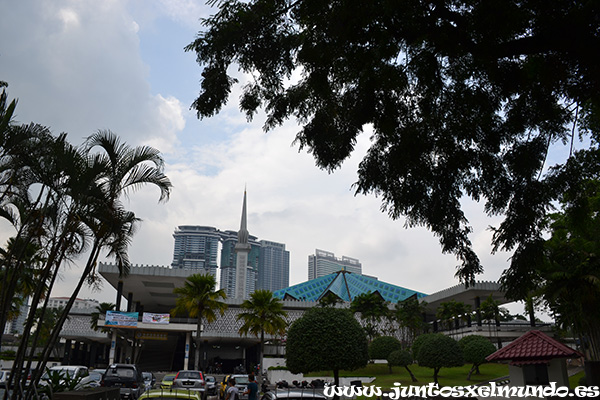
{"points": [[262, 314], [98, 174], [409, 315], [372, 307], [199, 298], [100, 309]]}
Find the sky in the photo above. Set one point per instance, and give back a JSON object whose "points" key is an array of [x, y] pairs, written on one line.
{"points": [[78, 66]]}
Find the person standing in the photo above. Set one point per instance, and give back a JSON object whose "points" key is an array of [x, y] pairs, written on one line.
{"points": [[252, 388], [232, 391]]}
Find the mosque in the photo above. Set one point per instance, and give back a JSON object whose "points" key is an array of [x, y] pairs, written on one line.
{"points": [[148, 335]]}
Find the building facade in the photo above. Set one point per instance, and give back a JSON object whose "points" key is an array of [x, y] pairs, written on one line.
{"points": [[274, 266], [323, 263], [61, 302]]}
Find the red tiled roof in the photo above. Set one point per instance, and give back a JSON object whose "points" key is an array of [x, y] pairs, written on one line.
{"points": [[533, 347]]}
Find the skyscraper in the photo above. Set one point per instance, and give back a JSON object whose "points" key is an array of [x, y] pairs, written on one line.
{"points": [[324, 263], [274, 266], [196, 247]]}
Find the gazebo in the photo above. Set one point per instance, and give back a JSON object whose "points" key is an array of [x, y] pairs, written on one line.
{"points": [[536, 359]]}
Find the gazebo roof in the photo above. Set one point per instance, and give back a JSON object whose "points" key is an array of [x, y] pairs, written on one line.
{"points": [[534, 347]]}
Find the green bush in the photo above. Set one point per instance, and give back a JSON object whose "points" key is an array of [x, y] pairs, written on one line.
{"points": [[8, 355], [381, 347]]}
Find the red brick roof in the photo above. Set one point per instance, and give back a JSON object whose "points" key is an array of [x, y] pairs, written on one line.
{"points": [[534, 347]]}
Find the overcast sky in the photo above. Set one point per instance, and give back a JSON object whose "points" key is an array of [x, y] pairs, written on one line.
{"points": [[77, 66]]}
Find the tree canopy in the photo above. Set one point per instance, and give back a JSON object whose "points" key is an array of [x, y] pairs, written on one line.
{"points": [[326, 338], [381, 347], [569, 274], [475, 349], [460, 99], [439, 351], [372, 308], [410, 316], [401, 358]]}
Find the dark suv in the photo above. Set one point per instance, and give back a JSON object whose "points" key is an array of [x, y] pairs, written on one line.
{"points": [[127, 377]]}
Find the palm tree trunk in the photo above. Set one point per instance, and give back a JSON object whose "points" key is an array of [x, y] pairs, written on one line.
{"points": [[17, 368], [8, 288], [198, 352], [261, 355], [63, 317]]}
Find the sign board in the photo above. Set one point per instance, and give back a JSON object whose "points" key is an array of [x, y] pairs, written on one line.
{"points": [[152, 318], [120, 318]]}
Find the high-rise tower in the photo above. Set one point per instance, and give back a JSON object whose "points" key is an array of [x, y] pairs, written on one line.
{"points": [[196, 247], [324, 263], [273, 266]]}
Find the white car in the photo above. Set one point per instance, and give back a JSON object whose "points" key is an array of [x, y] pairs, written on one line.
{"points": [[4, 374], [78, 372]]}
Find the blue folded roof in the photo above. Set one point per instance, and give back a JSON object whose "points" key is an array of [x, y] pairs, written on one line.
{"points": [[346, 286]]}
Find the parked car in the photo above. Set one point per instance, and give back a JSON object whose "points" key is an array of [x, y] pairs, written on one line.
{"points": [[127, 377], [167, 381], [67, 376], [161, 394], [211, 385], [149, 380], [294, 394], [93, 379], [4, 374], [193, 380]]}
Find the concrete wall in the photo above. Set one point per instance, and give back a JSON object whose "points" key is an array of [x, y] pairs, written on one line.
{"points": [[557, 372]]}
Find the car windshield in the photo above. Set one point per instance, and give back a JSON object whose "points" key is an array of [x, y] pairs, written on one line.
{"points": [[189, 375], [61, 371], [241, 380], [120, 372], [168, 378]]}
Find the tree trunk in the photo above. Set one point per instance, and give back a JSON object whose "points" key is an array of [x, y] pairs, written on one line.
{"points": [[412, 376], [198, 352], [16, 371], [63, 317], [8, 288], [261, 355], [435, 375], [336, 382], [471, 372]]}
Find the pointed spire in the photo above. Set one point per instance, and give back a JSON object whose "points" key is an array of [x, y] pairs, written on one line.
{"points": [[243, 232]]}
